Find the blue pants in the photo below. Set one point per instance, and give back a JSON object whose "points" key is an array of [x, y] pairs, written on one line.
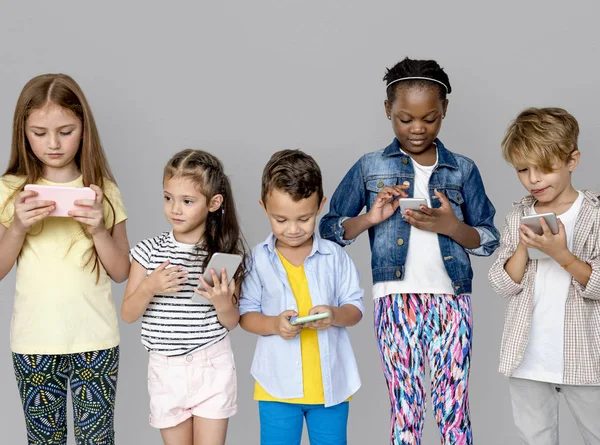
{"points": [[281, 423]]}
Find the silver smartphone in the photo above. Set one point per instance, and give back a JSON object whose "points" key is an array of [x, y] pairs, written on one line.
{"points": [[533, 222], [231, 262], [412, 204]]}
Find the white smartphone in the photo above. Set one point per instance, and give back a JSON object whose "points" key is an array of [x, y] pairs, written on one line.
{"points": [[63, 196], [412, 204], [533, 222], [231, 262], [308, 318]]}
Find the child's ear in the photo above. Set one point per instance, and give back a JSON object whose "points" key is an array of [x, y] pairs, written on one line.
{"points": [[215, 203], [573, 160], [388, 109], [263, 205], [321, 205], [445, 108]]}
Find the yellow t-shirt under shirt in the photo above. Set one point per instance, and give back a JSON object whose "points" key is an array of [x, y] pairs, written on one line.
{"points": [[309, 344], [59, 308]]}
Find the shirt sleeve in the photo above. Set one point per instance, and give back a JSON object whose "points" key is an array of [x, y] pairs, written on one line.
{"points": [[347, 201], [480, 214], [112, 192], [500, 280], [251, 295], [142, 252], [348, 282], [7, 203]]}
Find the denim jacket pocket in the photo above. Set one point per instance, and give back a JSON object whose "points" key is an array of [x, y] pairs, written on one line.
{"points": [[375, 185], [457, 200]]}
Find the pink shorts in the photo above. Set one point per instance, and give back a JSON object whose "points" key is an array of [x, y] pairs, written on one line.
{"points": [[202, 384]]}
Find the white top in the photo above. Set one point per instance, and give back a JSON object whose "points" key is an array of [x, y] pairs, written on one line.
{"points": [[544, 356], [424, 271], [173, 324]]}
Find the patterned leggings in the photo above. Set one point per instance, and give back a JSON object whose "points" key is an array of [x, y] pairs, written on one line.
{"points": [[412, 328], [43, 381]]}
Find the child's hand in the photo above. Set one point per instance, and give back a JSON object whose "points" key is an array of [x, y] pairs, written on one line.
{"points": [[283, 328], [555, 246], [27, 214], [221, 293], [325, 323], [386, 203], [166, 281], [441, 220], [93, 216]]}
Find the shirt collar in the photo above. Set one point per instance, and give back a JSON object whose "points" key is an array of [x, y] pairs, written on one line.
{"points": [[319, 246], [444, 156]]}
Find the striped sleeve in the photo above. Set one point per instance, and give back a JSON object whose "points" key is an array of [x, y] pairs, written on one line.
{"points": [[142, 253]]}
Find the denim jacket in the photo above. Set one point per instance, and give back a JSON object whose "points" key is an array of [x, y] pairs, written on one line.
{"points": [[455, 175]]}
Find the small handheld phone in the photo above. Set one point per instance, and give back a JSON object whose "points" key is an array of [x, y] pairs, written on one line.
{"points": [[533, 222], [412, 204], [63, 196], [231, 262], [302, 320]]}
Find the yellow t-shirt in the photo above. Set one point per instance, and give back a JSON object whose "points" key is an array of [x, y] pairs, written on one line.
{"points": [[59, 308], [309, 344]]}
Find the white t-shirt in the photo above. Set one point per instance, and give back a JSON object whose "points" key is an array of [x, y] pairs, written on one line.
{"points": [[424, 271], [174, 324], [544, 356]]}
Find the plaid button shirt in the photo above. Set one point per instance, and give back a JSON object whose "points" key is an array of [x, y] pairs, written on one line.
{"points": [[582, 311]]}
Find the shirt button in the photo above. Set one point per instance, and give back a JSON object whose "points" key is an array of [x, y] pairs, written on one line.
{"points": [[380, 184], [400, 241], [398, 274], [406, 183], [405, 161], [189, 358]]}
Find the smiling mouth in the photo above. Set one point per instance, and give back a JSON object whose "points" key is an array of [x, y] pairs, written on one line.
{"points": [[538, 191]]}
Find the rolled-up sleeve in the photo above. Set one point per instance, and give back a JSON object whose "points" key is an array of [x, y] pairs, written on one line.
{"points": [[347, 201], [500, 280], [348, 282], [480, 214], [251, 296]]}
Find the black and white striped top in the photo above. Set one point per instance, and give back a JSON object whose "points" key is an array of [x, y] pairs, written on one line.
{"points": [[174, 324]]}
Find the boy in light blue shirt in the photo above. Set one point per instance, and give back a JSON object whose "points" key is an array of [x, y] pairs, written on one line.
{"points": [[306, 370]]}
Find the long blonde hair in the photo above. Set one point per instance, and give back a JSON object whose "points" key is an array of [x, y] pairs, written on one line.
{"points": [[61, 90]]}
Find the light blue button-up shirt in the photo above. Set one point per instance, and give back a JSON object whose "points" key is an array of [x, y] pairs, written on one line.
{"points": [[332, 280]]}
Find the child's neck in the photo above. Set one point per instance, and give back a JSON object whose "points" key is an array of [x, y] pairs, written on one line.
{"points": [[560, 204], [62, 175], [190, 237], [295, 255]]}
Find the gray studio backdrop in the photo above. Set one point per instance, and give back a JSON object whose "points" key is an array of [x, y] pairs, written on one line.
{"points": [[243, 79]]}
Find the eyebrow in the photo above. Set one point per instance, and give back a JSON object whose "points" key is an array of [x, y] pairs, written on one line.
{"points": [[408, 114], [184, 196], [44, 128]]}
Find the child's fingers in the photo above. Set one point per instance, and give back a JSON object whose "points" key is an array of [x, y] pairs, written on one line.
{"points": [[224, 280], [98, 190], [84, 203], [545, 228], [426, 210], [202, 293]]}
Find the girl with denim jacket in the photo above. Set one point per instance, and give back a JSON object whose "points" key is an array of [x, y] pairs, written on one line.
{"points": [[420, 258]]}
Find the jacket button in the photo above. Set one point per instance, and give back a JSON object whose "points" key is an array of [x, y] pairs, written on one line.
{"points": [[406, 183], [405, 161], [380, 184], [400, 241], [398, 274]]}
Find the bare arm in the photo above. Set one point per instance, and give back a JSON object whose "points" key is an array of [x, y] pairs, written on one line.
{"points": [[515, 266], [113, 251]]}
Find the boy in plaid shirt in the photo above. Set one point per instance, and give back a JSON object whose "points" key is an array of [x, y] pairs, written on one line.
{"points": [[551, 339]]}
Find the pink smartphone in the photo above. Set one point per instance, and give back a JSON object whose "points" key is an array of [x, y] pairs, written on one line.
{"points": [[64, 197]]}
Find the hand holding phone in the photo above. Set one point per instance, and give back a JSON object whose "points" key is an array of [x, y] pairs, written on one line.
{"points": [[309, 318], [412, 204], [228, 261], [283, 326], [63, 197], [30, 210], [533, 223]]}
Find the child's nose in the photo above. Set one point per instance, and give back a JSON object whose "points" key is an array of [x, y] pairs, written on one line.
{"points": [[53, 141]]}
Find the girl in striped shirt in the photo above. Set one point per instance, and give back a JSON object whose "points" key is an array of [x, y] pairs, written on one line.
{"points": [[191, 371]]}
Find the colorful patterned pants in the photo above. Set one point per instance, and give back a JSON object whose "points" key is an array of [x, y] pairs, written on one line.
{"points": [[412, 329], [43, 381]]}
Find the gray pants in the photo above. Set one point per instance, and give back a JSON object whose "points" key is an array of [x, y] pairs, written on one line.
{"points": [[535, 410]]}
